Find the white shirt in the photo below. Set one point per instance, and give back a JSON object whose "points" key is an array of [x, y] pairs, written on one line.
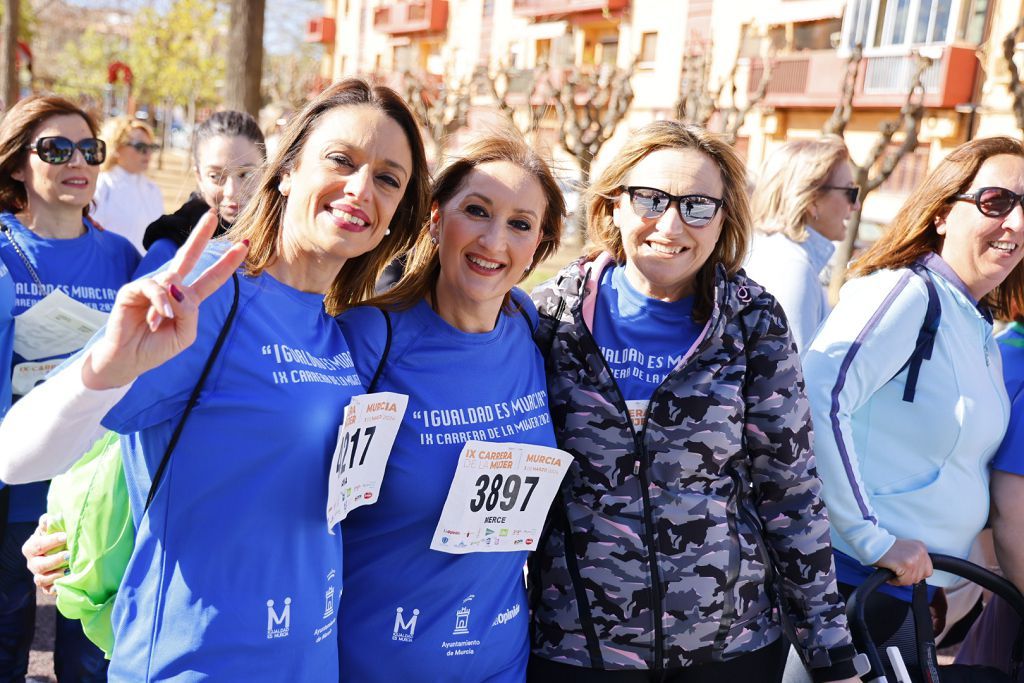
{"points": [[790, 272], [126, 203]]}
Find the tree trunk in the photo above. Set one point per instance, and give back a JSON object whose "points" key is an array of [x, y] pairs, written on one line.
{"points": [[245, 56], [8, 58], [844, 252]]}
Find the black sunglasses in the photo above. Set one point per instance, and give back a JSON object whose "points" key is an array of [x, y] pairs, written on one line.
{"points": [[994, 202], [852, 193], [57, 149], [696, 210], [143, 147]]}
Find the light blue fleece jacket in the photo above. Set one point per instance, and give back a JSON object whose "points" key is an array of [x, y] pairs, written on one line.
{"points": [[791, 272], [892, 469]]}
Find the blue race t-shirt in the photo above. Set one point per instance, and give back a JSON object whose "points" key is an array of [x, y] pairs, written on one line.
{"points": [[156, 257], [641, 339], [6, 337], [1010, 456], [410, 612], [234, 575], [90, 269]]}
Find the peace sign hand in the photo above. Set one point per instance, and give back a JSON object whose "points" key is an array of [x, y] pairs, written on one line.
{"points": [[155, 318]]}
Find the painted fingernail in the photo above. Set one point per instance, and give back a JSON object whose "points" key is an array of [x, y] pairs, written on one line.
{"points": [[178, 295], [66, 556], [67, 571], [245, 242]]}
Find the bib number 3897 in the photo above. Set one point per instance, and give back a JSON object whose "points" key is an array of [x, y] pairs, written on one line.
{"points": [[365, 439], [499, 497]]}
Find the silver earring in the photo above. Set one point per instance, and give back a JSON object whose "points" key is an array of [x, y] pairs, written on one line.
{"points": [[387, 231], [433, 240]]}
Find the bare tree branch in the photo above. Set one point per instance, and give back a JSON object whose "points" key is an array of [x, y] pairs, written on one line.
{"points": [[865, 175], [1015, 87], [836, 124], [441, 107]]}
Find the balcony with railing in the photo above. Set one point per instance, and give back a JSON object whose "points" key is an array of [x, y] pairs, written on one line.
{"points": [[550, 8], [320, 30], [814, 78], [416, 16]]}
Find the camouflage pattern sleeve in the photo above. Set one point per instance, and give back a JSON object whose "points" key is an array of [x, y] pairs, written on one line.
{"points": [[787, 491]]}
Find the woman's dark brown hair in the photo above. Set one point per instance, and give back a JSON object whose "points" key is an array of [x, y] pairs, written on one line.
{"points": [[262, 220]]}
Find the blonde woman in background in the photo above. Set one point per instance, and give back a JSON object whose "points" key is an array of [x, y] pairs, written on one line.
{"points": [[800, 206], [126, 200]]}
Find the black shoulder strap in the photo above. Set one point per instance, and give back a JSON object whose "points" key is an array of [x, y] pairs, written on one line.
{"points": [[384, 356], [194, 398], [925, 338], [5, 228]]}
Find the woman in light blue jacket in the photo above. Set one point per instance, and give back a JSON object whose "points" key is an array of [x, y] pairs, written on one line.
{"points": [[905, 379], [800, 205]]}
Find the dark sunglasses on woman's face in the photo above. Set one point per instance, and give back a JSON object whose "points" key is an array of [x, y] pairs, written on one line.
{"points": [[852, 193], [994, 202], [58, 149], [143, 147], [696, 210]]}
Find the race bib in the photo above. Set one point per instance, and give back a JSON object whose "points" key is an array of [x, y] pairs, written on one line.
{"points": [[364, 445], [26, 376], [499, 497]]}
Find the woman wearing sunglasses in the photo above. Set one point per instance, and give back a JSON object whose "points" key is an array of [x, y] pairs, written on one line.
{"points": [[674, 383], [905, 378], [126, 200], [800, 206], [49, 160], [234, 576], [228, 151]]}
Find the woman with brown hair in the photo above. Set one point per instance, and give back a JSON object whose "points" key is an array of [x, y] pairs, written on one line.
{"points": [[905, 378], [800, 204], [248, 389], [455, 337], [126, 200], [692, 500], [49, 161]]}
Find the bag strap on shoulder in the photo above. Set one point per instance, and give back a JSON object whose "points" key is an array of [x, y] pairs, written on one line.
{"points": [[925, 338], [384, 356], [194, 397]]}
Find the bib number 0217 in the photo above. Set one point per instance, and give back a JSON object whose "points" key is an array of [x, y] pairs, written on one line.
{"points": [[501, 491], [350, 447]]}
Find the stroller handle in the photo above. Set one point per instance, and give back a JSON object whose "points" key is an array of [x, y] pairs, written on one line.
{"points": [[946, 563]]}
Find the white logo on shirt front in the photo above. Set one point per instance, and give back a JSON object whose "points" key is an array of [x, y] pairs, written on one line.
{"points": [[329, 596], [462, 618], [404, 630], [278, 625]]}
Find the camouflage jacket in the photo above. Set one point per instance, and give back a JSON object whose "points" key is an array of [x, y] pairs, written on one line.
{"points": [[666, 540]]}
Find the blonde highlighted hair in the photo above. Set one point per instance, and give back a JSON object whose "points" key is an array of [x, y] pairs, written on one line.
{"points": [[791, 179], [913, 234], [116, 132], [503, 144], [731, 249], [262, 220]]}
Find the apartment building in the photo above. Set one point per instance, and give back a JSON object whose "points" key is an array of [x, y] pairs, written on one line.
{"points": [[808, 42]]}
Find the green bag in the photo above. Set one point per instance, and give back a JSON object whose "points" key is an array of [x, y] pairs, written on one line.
{"points": [[89, 502]]}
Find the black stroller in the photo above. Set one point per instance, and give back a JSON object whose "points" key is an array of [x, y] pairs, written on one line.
{"points": [[911, 653]]}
